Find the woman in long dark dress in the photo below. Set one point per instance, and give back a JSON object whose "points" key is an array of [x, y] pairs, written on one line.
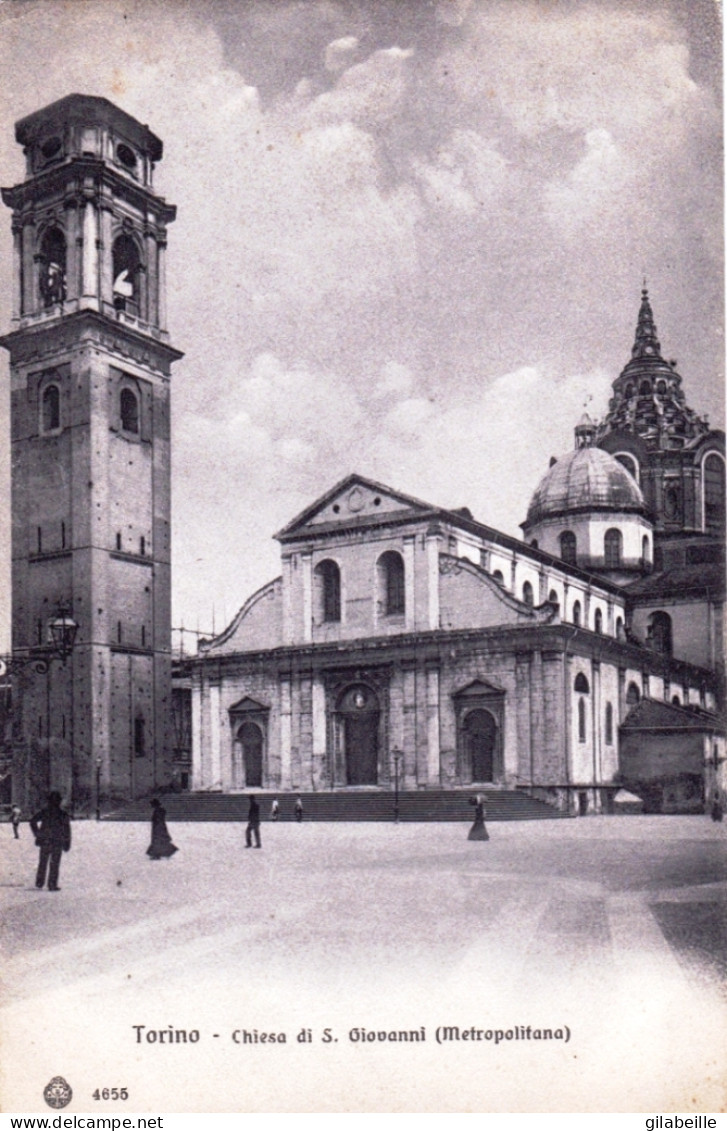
{"points": [[478, 830], [161, 842]]}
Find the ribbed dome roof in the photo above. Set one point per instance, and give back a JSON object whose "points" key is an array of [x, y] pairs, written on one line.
{"points": [[585, 479]]}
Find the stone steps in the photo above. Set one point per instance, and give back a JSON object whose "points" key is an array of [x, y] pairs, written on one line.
{"points": [[345, 805]]}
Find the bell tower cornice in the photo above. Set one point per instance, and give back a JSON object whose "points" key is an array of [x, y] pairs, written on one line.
{"points": [[42, 342]]}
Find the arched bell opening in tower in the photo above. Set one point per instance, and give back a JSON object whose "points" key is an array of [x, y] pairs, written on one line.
{"points": [[126, 267], [52, 273]]}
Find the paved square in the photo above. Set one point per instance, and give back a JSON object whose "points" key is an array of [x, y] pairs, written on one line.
{"points": [[609, 932]]}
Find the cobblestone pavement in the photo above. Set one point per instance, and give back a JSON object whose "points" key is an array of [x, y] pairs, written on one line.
{"points": [[608, 931]]}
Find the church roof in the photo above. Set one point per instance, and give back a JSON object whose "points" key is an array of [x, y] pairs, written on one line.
{"points": [[703, 580], [585, 479], [653, 714]]}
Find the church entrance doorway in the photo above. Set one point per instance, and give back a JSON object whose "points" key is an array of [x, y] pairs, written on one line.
{"points": [[248, 763], [360, 716], [480, 737]]}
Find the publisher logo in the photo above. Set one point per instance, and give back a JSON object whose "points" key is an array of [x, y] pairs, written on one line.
{"points": [[58, 1093]]}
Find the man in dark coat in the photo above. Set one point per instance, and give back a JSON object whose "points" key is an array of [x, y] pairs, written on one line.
{"points": [[51, 828], [253, 824]]}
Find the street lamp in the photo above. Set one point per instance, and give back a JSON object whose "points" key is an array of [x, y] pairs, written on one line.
{"points": [[62, 630], [98, 789], [397, 755]]}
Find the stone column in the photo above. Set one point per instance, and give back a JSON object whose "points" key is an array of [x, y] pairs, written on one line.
{"points": [[306, 561], [90, 252], [214, 707], [433, 771], [409, 609], [198, 781], [17, 270], [286, 723], [31, 294], [433, 536], [162, 283]]}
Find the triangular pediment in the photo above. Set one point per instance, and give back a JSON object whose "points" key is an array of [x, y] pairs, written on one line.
{"points": [[246, 705], [352, 501], [477, 689]]}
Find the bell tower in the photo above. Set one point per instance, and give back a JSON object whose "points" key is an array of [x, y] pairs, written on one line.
{"points": [[90, 362]]}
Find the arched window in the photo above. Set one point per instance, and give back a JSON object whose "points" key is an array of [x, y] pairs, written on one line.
{"points": [[633, 695], [630, 464], [576, 616], [661, 388], [50, 408], [568, 547], [497, 576], [52, 267], [126, 265], [612, 548], [660, 633], [629, 392], [129, 411], [328, 577], [676, 701], [620, 634], [527, 593], [672, 501], [645, 388], [581, 719], [391, 575], [609, 724], [598, 621], [534, 543], [581, 684], [714, 495], [553, 596]]}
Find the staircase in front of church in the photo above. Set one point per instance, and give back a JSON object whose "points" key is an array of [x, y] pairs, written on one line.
{"points": [[348, 805]]}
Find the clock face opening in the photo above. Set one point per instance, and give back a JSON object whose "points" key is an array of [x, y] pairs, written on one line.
{"points": [[51, 147], [126, 156]]}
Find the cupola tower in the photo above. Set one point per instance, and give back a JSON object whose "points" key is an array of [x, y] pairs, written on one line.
{"points": [[90, 363]]}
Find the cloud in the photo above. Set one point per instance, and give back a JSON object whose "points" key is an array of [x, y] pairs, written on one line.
{"points": [[339, 53], [465, 176]]}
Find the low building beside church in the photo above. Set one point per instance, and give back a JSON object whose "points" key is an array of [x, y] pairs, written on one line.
{"points": [[403, 639]]}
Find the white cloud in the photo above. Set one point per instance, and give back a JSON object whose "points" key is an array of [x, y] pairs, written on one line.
{"points": [[465, 176], [339, 53]]}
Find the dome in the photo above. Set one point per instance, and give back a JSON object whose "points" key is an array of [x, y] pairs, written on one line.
{"points": [[587, 479]]}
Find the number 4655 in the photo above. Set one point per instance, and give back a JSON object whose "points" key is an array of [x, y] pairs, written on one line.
{"points": [[111, 1094]]}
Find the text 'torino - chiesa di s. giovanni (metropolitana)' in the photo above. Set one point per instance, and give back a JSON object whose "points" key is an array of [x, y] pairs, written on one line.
{"points": [[402, 644]]}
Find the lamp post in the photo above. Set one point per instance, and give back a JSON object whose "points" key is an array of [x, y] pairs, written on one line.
{"points": [[397, 755], [98, 789], [62, 630]]}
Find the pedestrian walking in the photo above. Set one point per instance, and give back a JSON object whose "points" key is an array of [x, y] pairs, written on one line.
{"points": [[478, 830], [274, 810], [717, 810], [161, 842], [51, 828], [253, 824], [298, 810], [15, 819]]}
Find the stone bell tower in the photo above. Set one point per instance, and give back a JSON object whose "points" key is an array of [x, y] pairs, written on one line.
{"points": [[90, 363]]}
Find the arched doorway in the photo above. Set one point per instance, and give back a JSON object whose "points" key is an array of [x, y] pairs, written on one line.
{"points": [[480, 738], [360, 715], [249, 760]]}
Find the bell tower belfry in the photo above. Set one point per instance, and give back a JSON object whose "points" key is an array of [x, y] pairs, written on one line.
{"points": [[90, 362]]}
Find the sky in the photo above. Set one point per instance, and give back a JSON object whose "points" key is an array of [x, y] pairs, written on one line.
{"points": [[410, 242]]}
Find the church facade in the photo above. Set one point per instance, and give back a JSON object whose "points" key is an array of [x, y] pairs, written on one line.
{"points": [[405, 641]]}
